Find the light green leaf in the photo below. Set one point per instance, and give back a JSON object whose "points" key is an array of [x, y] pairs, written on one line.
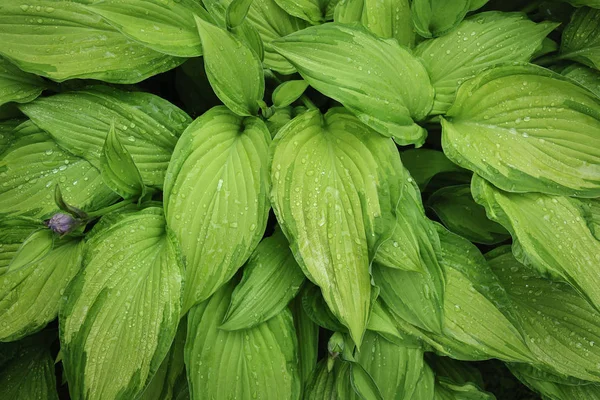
{"points": [[425, 164], [35, 247], [447, 390], [586, 77], [363, 383], [551, 388], [426, 385], [481, 41], [348, 11], [396, 368], [120, 315], [382, 322], [272, 278], [330, 385], [63, 40], [13, 232], [477, 4], [171, 370], [217, 187], [365, 74], [6, 131], [34, 164], [237, 11], [279, 118], [560, 326], [538, 131], [593, 215], [389, 19], [288, 92], [317, 309], [18, 86], [30, 375], [233, 69], [548, 46], [257, 362], [581, 38], [79, 121], [118, 169], [307, 333], [30, 292], [335, 185], [460, 214], [436, 17], [549, 233], [167, 27], [313, 11], [272, 23]]}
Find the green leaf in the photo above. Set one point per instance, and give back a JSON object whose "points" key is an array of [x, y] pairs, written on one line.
{"points": [[460, 214], [34, 164], [217, 187], [120, 315], [593, 215], [118, 169], [363, 383], [167, 27], [272, 278], [237, 11], [147, 125], [279, 118], [317, 309], [30, 375], [550, 233], [456, 371], [581, 3], [446, 390], [330, 385], [233, 69], [288, 92], [426, 385], [364, 73], [18, 86], [480, 42], [335, 185], [425, 164], [31, 289], [382, 322], [477, 4], [313, 11], [6, 131], [561, 327], [581, 38], [13, 232], [307, 333], [35, 247], [63, 40], [436, 17], [258, 362], [395, 368], [272, 23], [538, 131], [171, 370], [548, 386], [389, 19], [586, 77], [348, 11]]}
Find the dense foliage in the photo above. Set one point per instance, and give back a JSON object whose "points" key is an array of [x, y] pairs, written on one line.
{"points": [[299, 199]]}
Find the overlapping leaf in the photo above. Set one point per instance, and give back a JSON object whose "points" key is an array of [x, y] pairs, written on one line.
{"points": [[16, 85], [313, 11], [64, 40], [147, 125], [436, 17], [525, 128], [120, 315], [481, 41], [13, 232], [581, 38], [34, 164], [378, 80], [336, 185], [554, 388], [258, 362], [217, 187], [425, 164], [587, 77]]}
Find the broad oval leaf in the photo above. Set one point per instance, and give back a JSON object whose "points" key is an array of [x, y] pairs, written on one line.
{"points": [[18, 86], [426, 164], [307, 333], [460, 214], [118, 168], [560, 326], [29, 375], [586, 77], [147, 125], [167, 27], [288, 92], [217, 187], [63, 40], [313, 11], [481, 41], [120, 315], [525, 128], [436, 17], [34, 164], [549, 233], [389, 19], [581, 38], [13, 232], [317, 309], [258, 362], [233, 69], [382, 83], [335, 186], [271, 279], [30, 293], [236, 12], [363, 384], [330, 385]]}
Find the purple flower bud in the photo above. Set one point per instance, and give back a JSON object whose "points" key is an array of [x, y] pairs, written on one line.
{"points": [[62, 223]]}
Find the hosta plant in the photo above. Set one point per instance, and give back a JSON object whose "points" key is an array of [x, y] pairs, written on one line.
{"points": [[299, 199]]}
